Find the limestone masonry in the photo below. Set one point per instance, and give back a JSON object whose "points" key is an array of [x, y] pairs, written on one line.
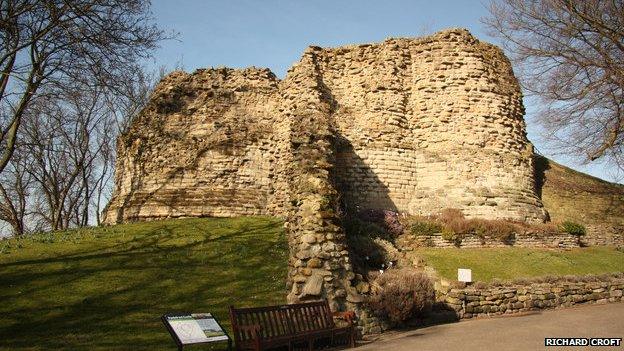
{"points": [[419, 125], [411, 125]]}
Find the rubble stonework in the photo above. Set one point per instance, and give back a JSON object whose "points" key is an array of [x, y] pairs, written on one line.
{"points": [[207, 144], [412, 125], [474, 302]]}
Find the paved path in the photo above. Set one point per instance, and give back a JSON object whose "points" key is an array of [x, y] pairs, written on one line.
{"points": [[523, 332]]}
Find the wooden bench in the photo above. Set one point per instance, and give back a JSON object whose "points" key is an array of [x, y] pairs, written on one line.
{"points": [[260, 328]]}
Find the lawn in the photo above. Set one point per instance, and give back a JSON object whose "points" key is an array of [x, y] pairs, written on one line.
{"points": [[106, 288], [512, 263]]}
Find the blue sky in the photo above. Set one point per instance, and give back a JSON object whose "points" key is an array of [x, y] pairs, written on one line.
{"points": [[274, 34]]}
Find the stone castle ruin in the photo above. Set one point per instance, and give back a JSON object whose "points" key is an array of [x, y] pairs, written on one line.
{"points": [[410, 125]]}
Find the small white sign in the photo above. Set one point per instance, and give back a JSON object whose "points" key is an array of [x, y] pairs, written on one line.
{"points": [[464, 275]]}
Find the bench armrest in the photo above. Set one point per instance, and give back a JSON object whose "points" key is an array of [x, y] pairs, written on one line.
{"points": [[348, 316]]}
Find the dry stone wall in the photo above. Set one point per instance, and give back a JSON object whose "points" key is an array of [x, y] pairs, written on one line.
{"points": [[603, 235], [544, 240], [491, 301]]}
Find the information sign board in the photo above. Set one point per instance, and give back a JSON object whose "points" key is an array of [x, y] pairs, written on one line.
{"points": [[194, 328]]}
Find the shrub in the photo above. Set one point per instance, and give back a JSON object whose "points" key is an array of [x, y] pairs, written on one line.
{"points": [[401, 294], [450, 235], [458, 226], [454, 220], [453, 225], [388, 220], [573, 228], [450, 214], [358, 227], [425, 227], [480, 227], [361, 239], [502, 230], [366, 252]]}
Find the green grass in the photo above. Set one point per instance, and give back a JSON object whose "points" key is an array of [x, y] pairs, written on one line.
{"points": [[106, 288], [569, 195], [512, 263]]}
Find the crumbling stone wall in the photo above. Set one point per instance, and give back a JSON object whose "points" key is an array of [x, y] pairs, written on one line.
{"points": [[205, 145], [414, 125], [430, 124], [419, 124], [604, 235], [319, 259], [488, 301]]}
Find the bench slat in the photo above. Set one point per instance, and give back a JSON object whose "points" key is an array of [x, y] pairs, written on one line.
{"points": [[283, 324], [303, 323], [312, 318], [267, 331], [273, 323], [246, 321], [281, 316]]}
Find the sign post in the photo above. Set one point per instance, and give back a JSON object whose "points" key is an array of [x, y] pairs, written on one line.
{"points": [[195, 328]]}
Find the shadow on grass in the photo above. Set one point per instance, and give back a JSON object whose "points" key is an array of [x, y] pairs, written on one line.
{"points": [[111, 298]]}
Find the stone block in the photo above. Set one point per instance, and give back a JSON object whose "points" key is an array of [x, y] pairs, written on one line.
{"points": [[314, 286]]}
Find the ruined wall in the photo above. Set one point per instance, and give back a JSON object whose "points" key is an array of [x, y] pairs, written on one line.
{"points": [[419, 125], [554, 240], [413, 125], [430, 124], [319, 260], [205, 145]]}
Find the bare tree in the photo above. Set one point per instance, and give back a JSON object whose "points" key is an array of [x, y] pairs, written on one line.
{"points": [[570, 55], [132, 96], [53, 43], [16, 185], [65, 140], [67, 153]]}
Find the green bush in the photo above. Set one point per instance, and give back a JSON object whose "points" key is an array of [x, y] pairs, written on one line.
{"points": [[422, 228], [450, 235], [480, 229], [573, 228]]}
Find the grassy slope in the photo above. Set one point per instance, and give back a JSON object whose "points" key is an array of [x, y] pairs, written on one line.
{"points": [[106, 288], [572, 195], [567, 195], [512, 263]]}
